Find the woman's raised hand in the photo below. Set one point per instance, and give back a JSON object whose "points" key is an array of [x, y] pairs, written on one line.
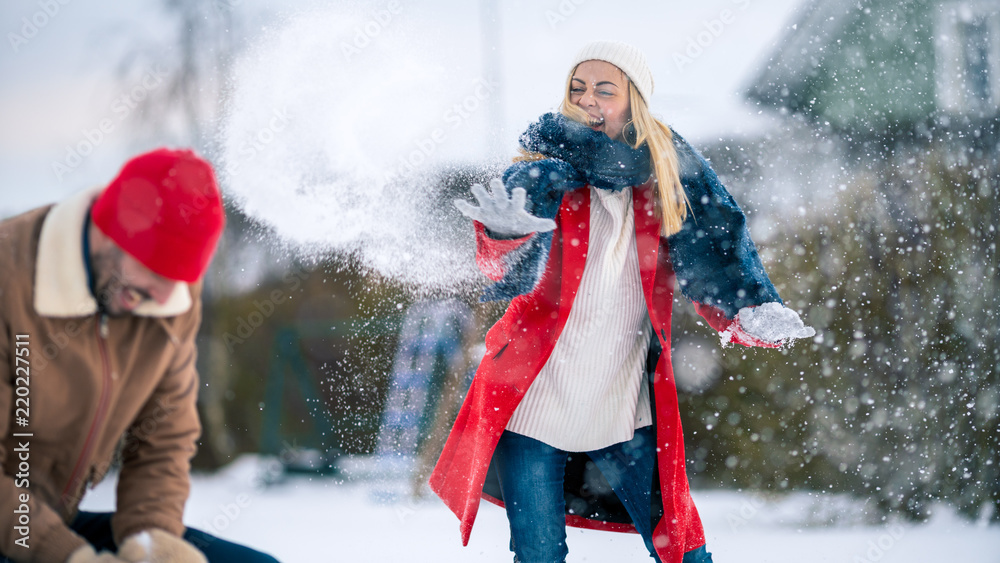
{"points": [[503, 215]]}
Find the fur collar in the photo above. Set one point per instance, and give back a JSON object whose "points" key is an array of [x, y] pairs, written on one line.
{"points": [[603, 163], [61, 276]]}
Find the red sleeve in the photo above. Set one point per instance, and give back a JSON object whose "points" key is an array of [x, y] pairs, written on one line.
{"points": [[729, 328], [491, 252]]}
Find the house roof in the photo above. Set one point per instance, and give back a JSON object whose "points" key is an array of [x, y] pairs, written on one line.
{"points": [[859, 65], [803, 50]]}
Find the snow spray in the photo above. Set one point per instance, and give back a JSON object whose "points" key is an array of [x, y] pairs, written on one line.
{"points": [[332, 137]]}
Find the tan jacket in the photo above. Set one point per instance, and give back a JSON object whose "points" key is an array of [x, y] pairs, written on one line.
{"points": [[82, 381]]}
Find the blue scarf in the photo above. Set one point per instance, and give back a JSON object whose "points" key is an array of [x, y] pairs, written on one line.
{"points": [[597, 160], [713, 256]]}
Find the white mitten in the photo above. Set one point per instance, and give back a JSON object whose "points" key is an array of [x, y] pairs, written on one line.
{"points": [[772, 323], [157, 546], [502, 215], [86, 554]]}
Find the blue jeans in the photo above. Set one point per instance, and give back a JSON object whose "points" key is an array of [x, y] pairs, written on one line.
{"points": [[531, 479], [95, 527]]}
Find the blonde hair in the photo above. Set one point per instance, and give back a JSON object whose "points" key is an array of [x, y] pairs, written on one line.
{"points": [[672, 203]]}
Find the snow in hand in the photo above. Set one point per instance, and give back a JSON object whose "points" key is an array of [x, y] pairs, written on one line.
{"points": [[325, 520], [336, 144], [773, 322]]}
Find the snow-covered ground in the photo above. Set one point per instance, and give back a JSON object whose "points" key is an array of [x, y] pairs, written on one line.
{"points": [[326, 519]]}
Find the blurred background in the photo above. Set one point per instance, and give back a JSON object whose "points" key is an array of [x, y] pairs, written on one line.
{"points": [[862, 138]]}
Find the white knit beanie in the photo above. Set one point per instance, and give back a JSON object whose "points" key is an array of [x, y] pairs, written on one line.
{"points": [[624, 56]]}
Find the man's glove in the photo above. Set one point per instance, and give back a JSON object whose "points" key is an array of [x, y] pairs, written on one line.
{"points": [[772, 323], [157, 546], [86, 554], [504, 216]]}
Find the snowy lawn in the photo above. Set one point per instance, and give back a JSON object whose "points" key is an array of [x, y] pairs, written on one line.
{"points": [[325, 519]]}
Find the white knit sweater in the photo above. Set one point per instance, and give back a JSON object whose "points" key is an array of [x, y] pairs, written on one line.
{"points": [[590, 393]]}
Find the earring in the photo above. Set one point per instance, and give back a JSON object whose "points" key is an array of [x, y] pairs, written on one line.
{"points": [[629, 133]]}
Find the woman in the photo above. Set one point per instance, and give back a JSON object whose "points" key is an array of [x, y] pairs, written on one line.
{"points": [[606, 207]]}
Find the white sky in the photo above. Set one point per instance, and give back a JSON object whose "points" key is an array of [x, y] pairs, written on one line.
{"points": [[60, 81]]}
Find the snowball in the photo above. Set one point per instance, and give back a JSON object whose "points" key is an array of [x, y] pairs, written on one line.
{"points": [[773, 322]]}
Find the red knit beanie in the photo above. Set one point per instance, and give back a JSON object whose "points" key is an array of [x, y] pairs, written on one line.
{"points": [[164, 209]]}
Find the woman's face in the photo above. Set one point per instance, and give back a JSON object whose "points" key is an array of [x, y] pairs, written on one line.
{"points": [[601, 89]]}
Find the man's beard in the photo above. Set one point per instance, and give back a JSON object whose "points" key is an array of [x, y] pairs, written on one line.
{"points": [[109, 281]]}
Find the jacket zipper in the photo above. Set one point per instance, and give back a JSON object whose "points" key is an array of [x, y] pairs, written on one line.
{"points": [[102, 334]]}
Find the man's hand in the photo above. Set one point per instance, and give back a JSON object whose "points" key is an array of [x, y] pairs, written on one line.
{"points": [[502, 215], [157, 546], [86, 554]]}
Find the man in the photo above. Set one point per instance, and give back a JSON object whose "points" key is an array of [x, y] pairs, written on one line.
{"points": [[99, 308]]}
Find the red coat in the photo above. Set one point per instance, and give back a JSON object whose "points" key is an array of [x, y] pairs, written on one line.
{"points": [[519, 345]]}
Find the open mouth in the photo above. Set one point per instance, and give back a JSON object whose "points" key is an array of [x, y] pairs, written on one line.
{"points": [[596, 121], [131, 298]]}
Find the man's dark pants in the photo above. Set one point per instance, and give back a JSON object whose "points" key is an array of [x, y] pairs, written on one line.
{"points": [[96, 528]]}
